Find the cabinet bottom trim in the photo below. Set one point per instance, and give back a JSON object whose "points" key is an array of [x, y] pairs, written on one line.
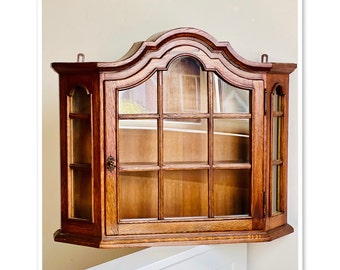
{"points": [[149, 240]]}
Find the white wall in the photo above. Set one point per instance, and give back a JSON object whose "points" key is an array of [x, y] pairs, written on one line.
{"points": [[104, 30], [203, 257]]}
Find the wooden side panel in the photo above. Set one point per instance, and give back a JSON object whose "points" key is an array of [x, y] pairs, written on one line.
{"points": [[257, 155], [90, 226], [277, 219], [110, 151]]}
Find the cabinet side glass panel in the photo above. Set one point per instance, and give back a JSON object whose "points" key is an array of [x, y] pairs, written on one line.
{"points": [[80, 157], [81, 140], [80, 101], [276, 180], [276, 172], [81, 194]]}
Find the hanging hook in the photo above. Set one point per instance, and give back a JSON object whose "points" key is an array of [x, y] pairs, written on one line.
{"points": [[264, 58], [80, 57]]}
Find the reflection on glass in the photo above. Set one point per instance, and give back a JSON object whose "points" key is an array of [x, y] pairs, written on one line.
{"points": [[228, 98], [186, 193], [231, 140], [185, 141], [231, 192], [185, 87], [138, 195], [137, 141], [81, 203], [139, 99]]}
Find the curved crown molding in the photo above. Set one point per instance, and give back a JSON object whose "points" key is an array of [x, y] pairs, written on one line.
{"points": [[155, 42], [160, 43]]}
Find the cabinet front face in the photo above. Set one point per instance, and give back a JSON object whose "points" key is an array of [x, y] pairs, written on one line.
{"points": [[181, 141], [184, 151]]}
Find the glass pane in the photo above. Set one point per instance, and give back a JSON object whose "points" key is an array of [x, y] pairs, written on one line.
{"points": [[231, 192], [185, 141], [276, 148], [228, 98], [80, 101], [139, 99], [277, 100], [186, 193], [137, 141], [276, 179], [81, 204], [185, 87], [80, 141], [231, 140], [138, 195]]}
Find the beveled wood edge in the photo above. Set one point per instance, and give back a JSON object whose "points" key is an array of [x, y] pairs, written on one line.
{"points": [[151, 240], [78, 239], [283, 68]]}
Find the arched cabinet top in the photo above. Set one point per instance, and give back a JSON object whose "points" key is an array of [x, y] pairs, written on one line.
{"points": [[188, 36], [180, 41]]}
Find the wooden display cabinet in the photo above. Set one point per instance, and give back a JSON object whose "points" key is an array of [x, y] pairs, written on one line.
{"points": [[181, 141]]}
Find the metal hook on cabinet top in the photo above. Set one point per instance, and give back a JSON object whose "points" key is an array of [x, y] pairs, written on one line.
{"points": [[80, 57], [264, 58]]}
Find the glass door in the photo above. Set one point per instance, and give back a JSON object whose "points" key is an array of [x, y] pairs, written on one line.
{"points": [[184, 148]]}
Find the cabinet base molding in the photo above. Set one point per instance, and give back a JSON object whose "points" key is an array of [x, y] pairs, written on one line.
{"points": [[177, 239]]}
